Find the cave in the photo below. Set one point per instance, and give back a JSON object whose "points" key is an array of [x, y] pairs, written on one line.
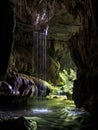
{"points": [[32, 21]]}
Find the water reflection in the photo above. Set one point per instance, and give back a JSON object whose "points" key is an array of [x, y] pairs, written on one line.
{"points": [[41, 110], [50, 115], [74, 111]]}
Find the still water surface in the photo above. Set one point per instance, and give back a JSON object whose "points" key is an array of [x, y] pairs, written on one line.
{"points": [[51, 114]]}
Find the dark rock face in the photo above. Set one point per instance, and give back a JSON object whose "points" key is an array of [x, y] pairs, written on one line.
{"points": [[19, 123], [43, 89], [6, 37], [24, 86], [5, 88], [84, 50]]}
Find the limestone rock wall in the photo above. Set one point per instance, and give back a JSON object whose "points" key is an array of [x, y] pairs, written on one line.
{"points": [[7, 31], [84, 50]]}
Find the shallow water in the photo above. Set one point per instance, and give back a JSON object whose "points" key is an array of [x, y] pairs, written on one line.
{"points": [[51, 114]]}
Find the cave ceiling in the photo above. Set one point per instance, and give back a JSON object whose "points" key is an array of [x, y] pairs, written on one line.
{"points": [[38, 15], [63, 26]]}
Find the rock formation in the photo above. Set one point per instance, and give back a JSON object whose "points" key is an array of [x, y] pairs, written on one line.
{"points": [[83, 47], [6, 37]]}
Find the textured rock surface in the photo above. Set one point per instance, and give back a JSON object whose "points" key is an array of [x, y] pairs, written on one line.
{"points": [[84, 49]]}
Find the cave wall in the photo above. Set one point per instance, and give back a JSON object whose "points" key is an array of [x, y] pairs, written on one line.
{"points": [[84, 50], [6, 36], [21, 56]]}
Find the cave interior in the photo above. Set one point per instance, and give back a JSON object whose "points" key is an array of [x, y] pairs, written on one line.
{"points": [[66, 23]]}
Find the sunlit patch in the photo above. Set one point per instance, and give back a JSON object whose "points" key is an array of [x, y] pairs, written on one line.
{"points": [[42, 110]]}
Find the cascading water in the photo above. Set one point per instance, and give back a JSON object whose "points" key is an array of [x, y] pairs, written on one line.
{"points": [[39, 54]]}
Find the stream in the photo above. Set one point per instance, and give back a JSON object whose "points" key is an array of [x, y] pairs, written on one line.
{"points": [[53, 114]]}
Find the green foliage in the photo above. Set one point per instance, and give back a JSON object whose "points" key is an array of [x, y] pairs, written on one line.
{"points": [[66, 83], [67, 78]]}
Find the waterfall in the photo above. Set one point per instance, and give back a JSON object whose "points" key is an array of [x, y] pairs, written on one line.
{"points": [[39, 55]]}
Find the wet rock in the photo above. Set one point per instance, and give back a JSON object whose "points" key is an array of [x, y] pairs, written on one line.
{"points": [[5, 88], [21, 123]]}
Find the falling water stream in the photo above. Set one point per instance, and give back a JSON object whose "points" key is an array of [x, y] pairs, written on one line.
{"points": [[39, 54]]}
